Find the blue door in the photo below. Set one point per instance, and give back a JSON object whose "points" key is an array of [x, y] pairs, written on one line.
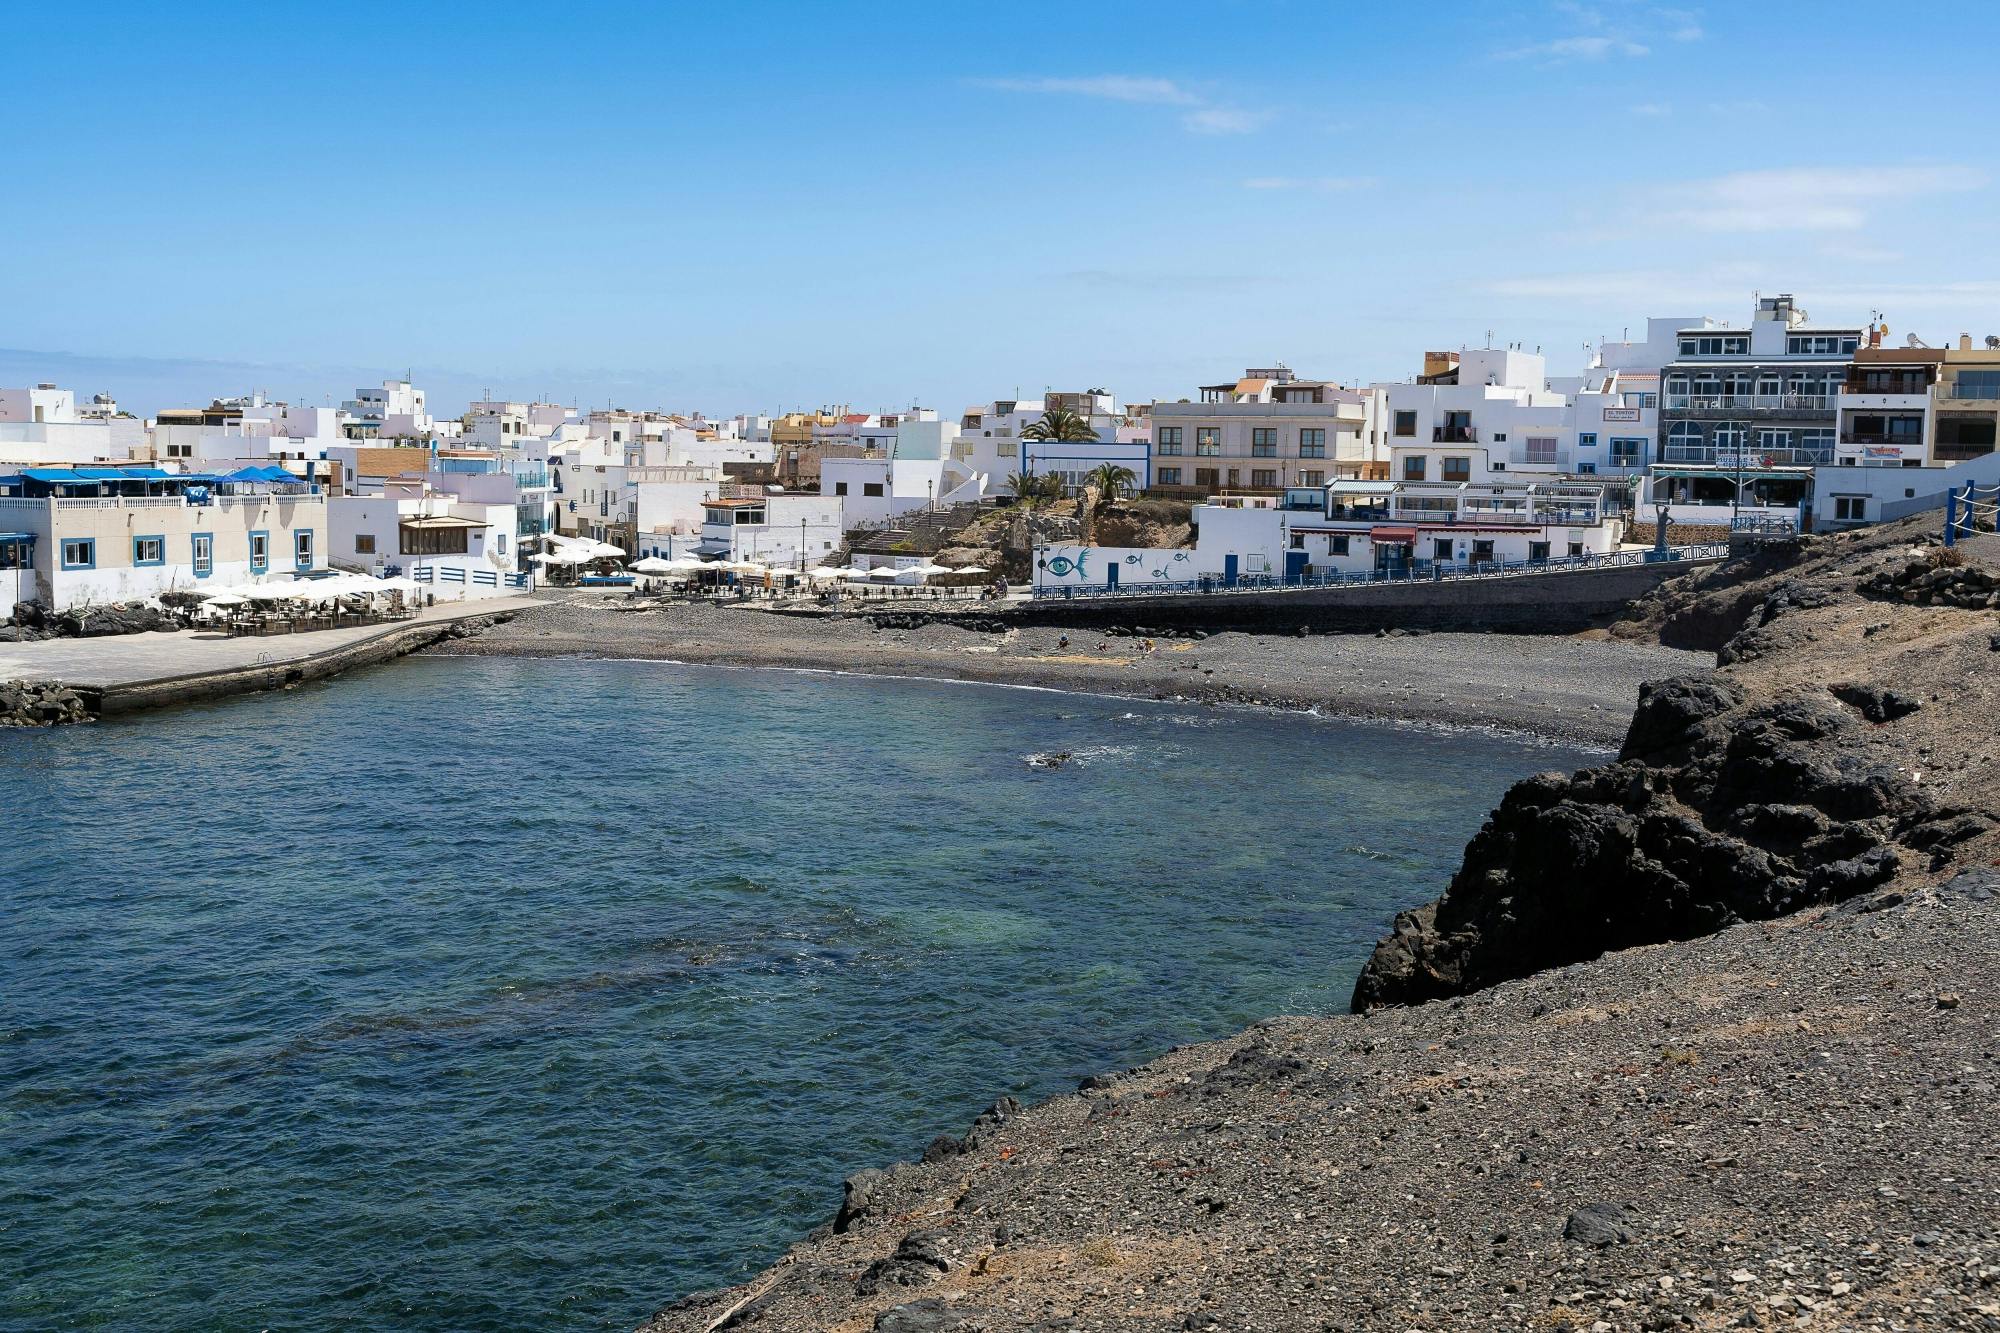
{"points": [[1111, 575], [1295, 566], [1228, 571]]}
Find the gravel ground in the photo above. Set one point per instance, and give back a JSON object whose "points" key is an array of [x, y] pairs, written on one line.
{"points": [[1573, 689], [1788, 1124]]}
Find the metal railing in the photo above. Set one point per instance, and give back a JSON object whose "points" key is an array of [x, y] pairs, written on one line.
{"points": [[1416, 571], [1728, 456], [1454, 435], [1749, 402]]}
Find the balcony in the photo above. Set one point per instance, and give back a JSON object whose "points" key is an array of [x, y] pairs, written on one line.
{"points": [[1454, 435], [1750, 457], [1752, 404], [1974, 393]]}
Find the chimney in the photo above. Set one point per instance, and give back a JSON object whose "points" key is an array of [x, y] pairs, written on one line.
{"points": [[1964, 342]]}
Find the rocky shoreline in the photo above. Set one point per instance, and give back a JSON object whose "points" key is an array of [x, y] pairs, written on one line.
{"points": [[1709, 1046], [1574, 690]]}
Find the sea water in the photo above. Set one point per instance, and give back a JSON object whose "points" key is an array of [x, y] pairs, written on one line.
{"points": [[499, 994]]}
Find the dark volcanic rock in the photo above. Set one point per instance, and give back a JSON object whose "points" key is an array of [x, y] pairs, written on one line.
{"points": [[1717, 811], [930, 1315], [1598, 1225], [1877, 703], [857, 1192], [918, 1260]]}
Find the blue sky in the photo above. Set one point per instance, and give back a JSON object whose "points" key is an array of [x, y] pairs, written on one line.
{"points": [[766, 206]]}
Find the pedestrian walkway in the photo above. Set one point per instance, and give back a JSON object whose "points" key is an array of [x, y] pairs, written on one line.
{"points": [[135, 659]]}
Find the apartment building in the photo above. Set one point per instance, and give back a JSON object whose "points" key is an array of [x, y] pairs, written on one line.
{"points": [[1883, 410], [1474, 415], [78, 536], [1265, 431], [1966, 402], [779, 529]]}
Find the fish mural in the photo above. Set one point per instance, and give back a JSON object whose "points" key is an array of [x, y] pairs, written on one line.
{"points": [[1061, 565]]}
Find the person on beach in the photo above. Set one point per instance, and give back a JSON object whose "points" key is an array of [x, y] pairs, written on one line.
{"points": [[1062, 640]]}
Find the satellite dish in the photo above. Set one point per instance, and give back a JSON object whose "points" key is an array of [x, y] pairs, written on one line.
{"points": [[1992, 341], [1912, 340]]}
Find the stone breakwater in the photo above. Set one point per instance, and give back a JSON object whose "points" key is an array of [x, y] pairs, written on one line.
{"points": [[40, 703], [1711, 1047]]}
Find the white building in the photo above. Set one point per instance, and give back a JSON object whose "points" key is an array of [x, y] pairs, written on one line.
{"points": [[397, 410], [1475, 415], [453, 533], [78, 537], [780, 529], [1263, 432], [43, 426]]}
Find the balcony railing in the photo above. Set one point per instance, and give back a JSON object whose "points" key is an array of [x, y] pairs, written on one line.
{"points": [[1976, 393], [1746, 457], [1727, 403], [1858, 437], [1454, 435]]}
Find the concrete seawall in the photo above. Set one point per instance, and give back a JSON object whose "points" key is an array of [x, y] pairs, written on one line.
{"points": [[112, 700], [1558, 603]]}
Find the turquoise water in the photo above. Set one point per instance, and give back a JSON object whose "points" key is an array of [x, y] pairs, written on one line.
{"points": [[483, 994]]}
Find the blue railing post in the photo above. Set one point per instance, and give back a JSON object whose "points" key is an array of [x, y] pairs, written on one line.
{"points": [[1951, 516]]}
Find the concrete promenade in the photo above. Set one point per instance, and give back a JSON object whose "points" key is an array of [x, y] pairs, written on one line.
{"points": [[122, 672]]}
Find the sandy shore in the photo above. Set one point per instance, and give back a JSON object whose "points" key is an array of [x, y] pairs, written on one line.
{"points": [[1574, 690]]}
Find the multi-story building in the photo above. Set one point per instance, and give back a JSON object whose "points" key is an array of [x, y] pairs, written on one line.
{"points": [[1259, 434], [1967, 402], [397, 410], [44, 425], [1479, 414], [1884, 405], [77, 536], [1746, 413], [779, 529]]}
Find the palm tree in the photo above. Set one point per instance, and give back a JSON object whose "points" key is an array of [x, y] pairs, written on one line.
{"points": [[1059, 424], [1111, 480], [1027, 487]]}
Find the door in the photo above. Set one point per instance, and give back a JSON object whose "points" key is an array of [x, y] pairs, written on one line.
{"points": [[1295, 566], [1228, 571], [1111, 575]]}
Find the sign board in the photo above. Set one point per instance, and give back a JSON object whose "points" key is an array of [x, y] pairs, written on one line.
{"points": [[1621, 414]]}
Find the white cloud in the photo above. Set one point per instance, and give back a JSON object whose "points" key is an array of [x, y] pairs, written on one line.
{"points": [[1203, 116], [1225, 120], [1575, 48], [1798, 198], [1109, 87], [1652, 109], [1325, 184]]}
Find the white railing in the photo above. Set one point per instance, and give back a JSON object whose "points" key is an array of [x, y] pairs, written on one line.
{"points": [[1750, 402]]}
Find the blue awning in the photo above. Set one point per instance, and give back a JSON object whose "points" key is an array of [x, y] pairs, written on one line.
{"points": [[16, 538], [145, 474], [54, 474]]}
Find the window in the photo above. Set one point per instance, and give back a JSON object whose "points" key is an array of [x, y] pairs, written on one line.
{"points": [[149, 550], [1205, 476], [1586, 439], [1628, 452], [1455, 469], [1586, 469], [1337, 544], [202, 554], [302, 548], [1774, 439], [1541, 448], [500, 543], [1263, 476], [1312, 442], [1207, 441], [1170, 476], [79, 553], [1576, 548], [1733, 344], [1312, 478], [1264, 442], [260, 553], [1538, 550], [872, 488], [1821, 344], [364, 543], [1499, 437], [1413, 467], [1298, 541], [1406, 423], [1168, 440], [1850, 508], [1441, 548], [432, 541], [840, 488]]}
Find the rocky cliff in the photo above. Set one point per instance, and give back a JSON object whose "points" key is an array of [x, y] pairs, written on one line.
{"points": [[1844, 740]]}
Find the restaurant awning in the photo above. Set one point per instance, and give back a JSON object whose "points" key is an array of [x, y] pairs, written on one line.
{"points": [[434, 521], [1392, 534]]}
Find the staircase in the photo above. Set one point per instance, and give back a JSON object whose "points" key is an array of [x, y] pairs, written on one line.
{"points": [[919, 532]]}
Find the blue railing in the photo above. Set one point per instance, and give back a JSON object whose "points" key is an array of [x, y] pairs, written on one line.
{"points": [[1416, 571], [1969, 510]]}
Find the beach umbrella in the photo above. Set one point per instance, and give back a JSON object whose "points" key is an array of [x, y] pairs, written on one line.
{"points": [[929, 569], [885, 573], [226, 599], [970, 569], [652, 564], [400, 584], [854, 575], [780, 572], [824, 572]]}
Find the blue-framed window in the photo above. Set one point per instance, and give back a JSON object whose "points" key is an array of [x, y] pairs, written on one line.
{"points": [[202, 553], [149, 550], [302, 548], [260, 552], [1586, 439], [79, 553]]}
